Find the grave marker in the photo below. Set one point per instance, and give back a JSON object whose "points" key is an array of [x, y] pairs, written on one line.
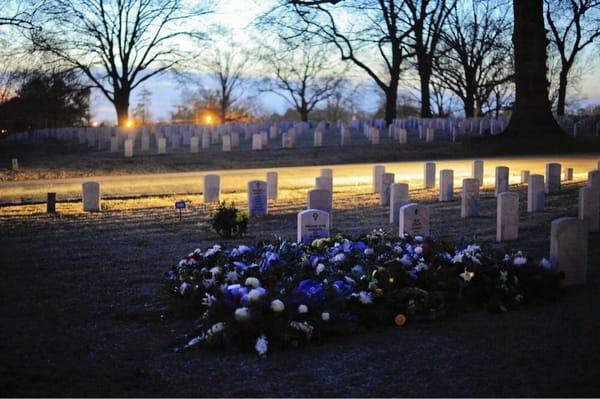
{"points": [[413, 220], [569, 249], [91, 196], [429, 175], [552, 178], [212, 188], [536, 193], [257, 198], [312, 224], [469, 206], [272, 185], [447, 185], [398, 198], [501, 180], [387, 179], [507, 217]]}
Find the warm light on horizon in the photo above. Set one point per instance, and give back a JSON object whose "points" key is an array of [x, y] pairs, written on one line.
{"points": [[129, 123]]}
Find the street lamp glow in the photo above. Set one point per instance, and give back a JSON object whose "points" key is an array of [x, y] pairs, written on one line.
{"points": [[209, 119]]}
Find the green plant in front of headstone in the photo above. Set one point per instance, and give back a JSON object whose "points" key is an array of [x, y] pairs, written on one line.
{"points": [[228, 221]]}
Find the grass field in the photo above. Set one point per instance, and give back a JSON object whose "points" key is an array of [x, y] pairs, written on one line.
{"points": [[82, 313]]}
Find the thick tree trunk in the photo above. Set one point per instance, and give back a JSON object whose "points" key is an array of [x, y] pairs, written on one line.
{"points": [[391, 99], [562, 93], [303, 114], [425, 78], [532, 116], [122, 106], [469, 105]]}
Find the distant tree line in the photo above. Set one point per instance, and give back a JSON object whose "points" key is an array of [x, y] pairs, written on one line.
{"points": [[437, 57]]}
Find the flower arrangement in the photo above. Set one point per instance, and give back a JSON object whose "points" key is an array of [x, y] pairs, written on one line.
{"points": [[228, 221], [283, 294]]}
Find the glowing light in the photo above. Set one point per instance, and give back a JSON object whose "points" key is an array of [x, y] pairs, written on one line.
{"points": [[129, 123], [94, 124], [209, 119]]}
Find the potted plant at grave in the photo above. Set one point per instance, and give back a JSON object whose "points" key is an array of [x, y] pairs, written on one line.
{"points": [[228, 221]]}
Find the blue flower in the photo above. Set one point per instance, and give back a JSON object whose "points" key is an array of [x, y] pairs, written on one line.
{"points": [[269, 257], [342, 288], [361, 246], [240, 265], [310, 292]]}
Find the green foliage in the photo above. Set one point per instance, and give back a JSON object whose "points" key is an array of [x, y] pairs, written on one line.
{"points": [[228, 221]]}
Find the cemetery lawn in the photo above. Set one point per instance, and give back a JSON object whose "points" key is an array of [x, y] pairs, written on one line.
{"points": [[83, 315], [52, 159]]}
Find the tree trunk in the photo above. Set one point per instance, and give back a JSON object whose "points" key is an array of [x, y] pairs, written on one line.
{"points": [[391, 99], [469, 105], [532, 116], [562, 92], [122, 106], [425, 77]]}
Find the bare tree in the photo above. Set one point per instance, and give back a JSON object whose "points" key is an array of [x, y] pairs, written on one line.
{"points": [[426, 19], [531, 116], [369, 34], [574, 25], [17, 13], [116, 44], [227, 68], [301, 76], [476, 54]]}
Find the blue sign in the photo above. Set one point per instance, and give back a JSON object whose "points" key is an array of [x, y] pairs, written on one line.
{"points": [[180, 205]]}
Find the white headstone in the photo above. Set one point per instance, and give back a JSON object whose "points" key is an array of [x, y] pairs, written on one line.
{"points": [[375, 136], [128, 148], [501, 180], [226, 143], [568, 174], [272, 185], [324, 183], [536, 193], [469, 206], [162, 145], [319, 199], [327, 172], [205, 141], [257, 198], [91, 196], [387, 179], [398, 198], [552, 178], [194, 144], [318, 138], [429, 135], [212, 188], [589, 207], [569, 249], [402, 136], [15, 164], [235, 139], [312, 224], [257, 142], [594, 178], [477, 170], [145, 142], [507, 217], [413, 220], [378, 170], [114, 144], [446, 185], [524, 177], [429, 175]]}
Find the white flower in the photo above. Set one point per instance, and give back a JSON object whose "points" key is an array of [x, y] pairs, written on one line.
{"points": [[546, 264], [503, 276], [277, 306], [252, 282], [320, 268], [231, 277], [194, 341], [183, 262], [208, 300], [254, 295], [467, 275], [302, 309], [242, 249], [364, 297], [419, 250], [184, 288], [262, 345], [421, 266], [197, 251], [242, 314], [339, 258], [215, 271], [369, 251], [215, 329], [519, 260], [325, 316], [458, 258], [405, 260]]}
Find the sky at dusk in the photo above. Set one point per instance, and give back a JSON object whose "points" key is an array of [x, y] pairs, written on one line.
{"points": [[236, 16]]}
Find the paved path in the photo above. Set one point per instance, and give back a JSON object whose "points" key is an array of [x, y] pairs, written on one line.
{"points": [[289, 178]]}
